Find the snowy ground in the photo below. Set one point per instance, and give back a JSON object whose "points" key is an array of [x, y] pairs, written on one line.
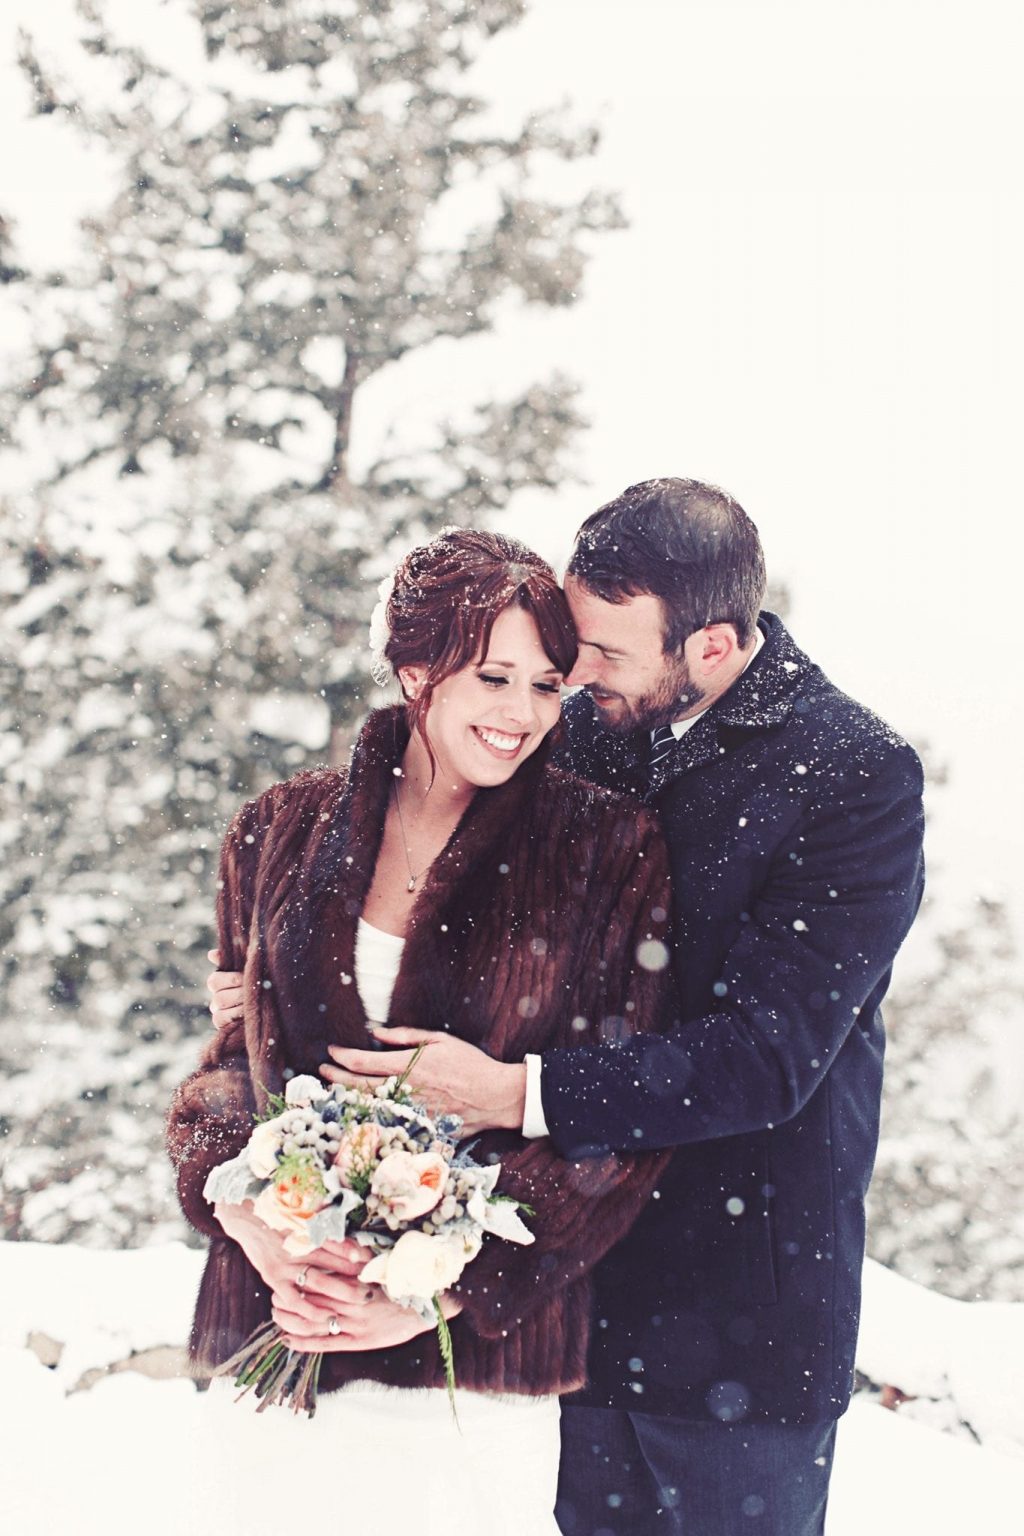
{"points": [[108, 1440]]}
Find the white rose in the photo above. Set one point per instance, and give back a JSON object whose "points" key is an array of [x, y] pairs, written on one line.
{"points": [[303, 1091], [419, 1266], [264, 1145]]}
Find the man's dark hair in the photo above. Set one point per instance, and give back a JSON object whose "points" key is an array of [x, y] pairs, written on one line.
{"points": [[687, 543]]}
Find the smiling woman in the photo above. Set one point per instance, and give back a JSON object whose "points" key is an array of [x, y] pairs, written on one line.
{"points": [[481, 638], [466, 887], [494, 712], [449, 595]]}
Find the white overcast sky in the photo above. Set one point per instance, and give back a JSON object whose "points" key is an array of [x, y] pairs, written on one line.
{"points": [[818, 304]]}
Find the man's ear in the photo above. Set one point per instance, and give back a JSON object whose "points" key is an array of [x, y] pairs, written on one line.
{"points": [[411, 680], [712, 647]]}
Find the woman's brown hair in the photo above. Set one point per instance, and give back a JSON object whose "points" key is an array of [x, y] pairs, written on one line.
{"points": [[448, 594]]}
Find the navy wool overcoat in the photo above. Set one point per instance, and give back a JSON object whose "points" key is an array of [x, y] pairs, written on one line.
{"points": [[794, 824]]}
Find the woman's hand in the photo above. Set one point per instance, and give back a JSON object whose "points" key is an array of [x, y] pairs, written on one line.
{"points": [[225, 989], [373, 1323], [313, 1287], [306, 1293]]}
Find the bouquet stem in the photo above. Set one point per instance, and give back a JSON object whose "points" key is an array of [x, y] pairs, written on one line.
{"points": [[277, 1374]]}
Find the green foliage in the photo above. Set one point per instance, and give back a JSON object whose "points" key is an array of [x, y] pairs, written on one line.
{"points": [[400, 1093], [444, 1340], [276, 1105]]}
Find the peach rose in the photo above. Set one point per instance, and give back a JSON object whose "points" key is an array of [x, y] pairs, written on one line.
{"points": [[410, 1183], [357, 1150], [289, 1204]]}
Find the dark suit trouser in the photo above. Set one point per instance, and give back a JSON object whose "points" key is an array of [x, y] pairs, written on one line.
{"points": [[641, 1474]]}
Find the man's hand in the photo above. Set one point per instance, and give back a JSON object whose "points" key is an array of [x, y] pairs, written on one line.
{"points": [[225, 989], [451, 1077]]}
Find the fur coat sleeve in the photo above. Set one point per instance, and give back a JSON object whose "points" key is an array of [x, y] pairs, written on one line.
{"points": [[582, 1207], [211, 1112]]}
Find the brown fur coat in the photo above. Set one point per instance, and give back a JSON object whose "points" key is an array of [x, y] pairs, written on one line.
{"points": [[524, 937]]}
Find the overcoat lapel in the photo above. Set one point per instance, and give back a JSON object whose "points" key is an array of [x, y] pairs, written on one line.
{"points": [[761, 700], [699, 745], [617, 762]]}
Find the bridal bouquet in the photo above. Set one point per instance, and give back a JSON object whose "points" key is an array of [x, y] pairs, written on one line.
{"points": [[334, 1163]]}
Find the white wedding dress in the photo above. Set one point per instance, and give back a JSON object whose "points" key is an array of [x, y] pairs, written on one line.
{"points": [[375, 1452]]}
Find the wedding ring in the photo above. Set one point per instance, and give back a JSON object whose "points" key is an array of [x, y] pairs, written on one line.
{"points": [[333, 1326], [300, 1279]]}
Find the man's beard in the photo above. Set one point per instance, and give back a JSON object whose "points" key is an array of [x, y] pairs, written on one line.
{"points": [[676, 695]]}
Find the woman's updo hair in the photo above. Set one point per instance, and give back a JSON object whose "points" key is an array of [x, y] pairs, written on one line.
{"points": [[448, 594]]}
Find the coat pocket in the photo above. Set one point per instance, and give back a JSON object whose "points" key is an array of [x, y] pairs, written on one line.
{"points": [[762, 1259], [709, 1241]]}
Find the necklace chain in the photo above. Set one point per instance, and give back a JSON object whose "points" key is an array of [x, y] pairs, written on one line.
{"points": [[413, 877]]}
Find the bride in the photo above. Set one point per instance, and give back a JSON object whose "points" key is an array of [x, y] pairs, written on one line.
{"points": [[450, 879]]}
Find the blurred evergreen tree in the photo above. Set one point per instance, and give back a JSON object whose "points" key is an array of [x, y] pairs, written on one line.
{"points": [[313, 196], [946, 1206]]}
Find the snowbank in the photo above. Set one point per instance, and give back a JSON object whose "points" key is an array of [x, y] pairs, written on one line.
{"points": [[963, 1361], [101, 1305], [107, 1438]]}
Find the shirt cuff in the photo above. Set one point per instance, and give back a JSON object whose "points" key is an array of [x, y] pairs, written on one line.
{"points": [[534, 1123]]}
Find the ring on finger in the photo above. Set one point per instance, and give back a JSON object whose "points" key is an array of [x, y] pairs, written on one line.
{"points": [[300, 1279], [333, 1325]]}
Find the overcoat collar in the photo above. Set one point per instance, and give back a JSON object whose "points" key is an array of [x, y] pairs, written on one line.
{"points": [[762, 699], [763, 696]]}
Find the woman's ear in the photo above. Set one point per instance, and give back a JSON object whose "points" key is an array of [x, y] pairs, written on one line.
{"points": [[411, 680]]}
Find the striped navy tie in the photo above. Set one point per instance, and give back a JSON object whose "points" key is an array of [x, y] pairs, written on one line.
{"points": [[662, 742]]}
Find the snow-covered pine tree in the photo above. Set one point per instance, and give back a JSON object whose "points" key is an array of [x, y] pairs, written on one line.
{"points": [[303, 194], [946, 1206]]}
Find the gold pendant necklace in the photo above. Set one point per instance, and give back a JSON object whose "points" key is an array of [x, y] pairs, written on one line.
{"points": [[413, 877]]}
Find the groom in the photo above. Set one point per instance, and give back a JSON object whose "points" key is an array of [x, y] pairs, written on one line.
{"points": [[726, 1323]]}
